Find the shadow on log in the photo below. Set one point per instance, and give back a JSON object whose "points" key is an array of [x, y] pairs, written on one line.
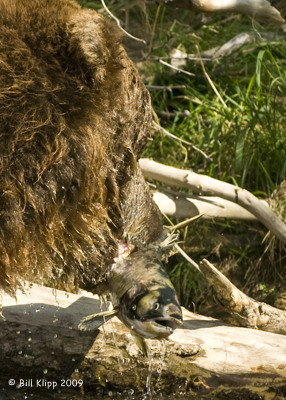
{"points": [[40, 343]]}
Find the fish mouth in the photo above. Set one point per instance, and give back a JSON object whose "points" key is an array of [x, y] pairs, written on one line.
{"points": [[157, 328], [170, 323]]}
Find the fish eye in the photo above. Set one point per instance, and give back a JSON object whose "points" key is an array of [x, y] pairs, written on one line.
{"points": [[156, 306]]}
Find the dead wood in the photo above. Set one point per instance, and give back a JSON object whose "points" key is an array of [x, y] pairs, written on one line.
{"points": [[209, 207], [239, 40], [204, 184], [179, 57], [259, 9], [40, 340], [244, 310]]}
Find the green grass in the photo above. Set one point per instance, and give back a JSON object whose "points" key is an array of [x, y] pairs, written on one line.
{"points": [[245, 138]]}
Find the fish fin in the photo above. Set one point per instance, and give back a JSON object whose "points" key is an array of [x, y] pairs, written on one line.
{"points": [[94, 321], [141, 344]]}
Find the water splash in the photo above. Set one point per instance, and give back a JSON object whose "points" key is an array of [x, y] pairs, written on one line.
{"points": [[148, 394], [105, 305], [55, 318], [156, 358], [162, 356]]}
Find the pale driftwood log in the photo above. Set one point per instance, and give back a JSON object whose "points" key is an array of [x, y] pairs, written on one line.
{"points": [[243, 309], [40, 340], [204, 184], [260, 9], [179, 58], [209, 207], [230, 46], [238, 41]]}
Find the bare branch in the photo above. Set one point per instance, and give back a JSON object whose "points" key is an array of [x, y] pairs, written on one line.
{"points": [[186, 257], [176, 68], [173, 114], [259, 9], [169, 88], [184, 223], [181, 140], [205, 184], [245, 310], [182, 56], [230, 46], [119, 25]]}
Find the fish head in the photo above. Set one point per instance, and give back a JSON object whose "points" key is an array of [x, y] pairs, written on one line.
{"points": [[152, 313]]}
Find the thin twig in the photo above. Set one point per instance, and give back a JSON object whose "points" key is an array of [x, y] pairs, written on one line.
{"points": [[188, 57], [210, 81], [176, 68], [189, 259], [119, 25], [169, 88], [173, 114], [182, 141], [180, 250], [184, 223]]}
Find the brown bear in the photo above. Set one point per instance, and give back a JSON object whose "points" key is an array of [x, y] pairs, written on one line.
{"points": [[74, 118]]}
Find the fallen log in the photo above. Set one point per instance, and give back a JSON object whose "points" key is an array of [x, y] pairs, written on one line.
{"points": [[209, 207], [243, 309], [42, 351], [258, 9], [205, 184]]}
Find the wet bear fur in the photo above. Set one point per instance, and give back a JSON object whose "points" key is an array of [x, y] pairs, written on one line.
{"points": [[74, 118]]}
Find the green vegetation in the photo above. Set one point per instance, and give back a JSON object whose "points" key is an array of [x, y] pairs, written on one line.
{"points": [[234, 109], [245, 135]]}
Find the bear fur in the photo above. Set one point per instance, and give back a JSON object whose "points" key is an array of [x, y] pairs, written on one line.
{"points": [[74, 118]]}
